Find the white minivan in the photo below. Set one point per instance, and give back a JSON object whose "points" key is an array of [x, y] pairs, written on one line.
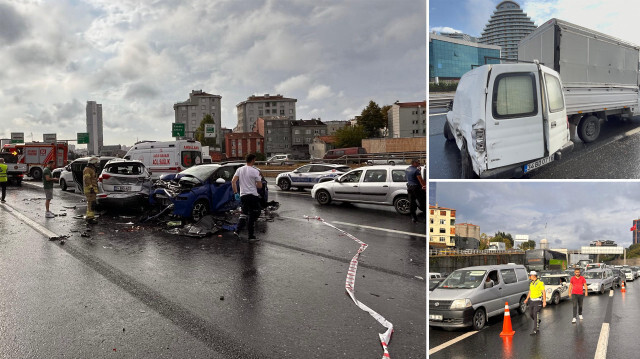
{"points": [[508, 119], [168, 157]]}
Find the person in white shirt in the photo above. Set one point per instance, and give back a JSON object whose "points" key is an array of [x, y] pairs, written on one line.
{"points": [[245, 183]]}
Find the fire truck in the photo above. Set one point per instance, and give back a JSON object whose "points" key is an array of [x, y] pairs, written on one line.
{"points": [[36, 155]]}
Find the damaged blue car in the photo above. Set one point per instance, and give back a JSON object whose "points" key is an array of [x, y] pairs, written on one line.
{"points": [[197, 191]]}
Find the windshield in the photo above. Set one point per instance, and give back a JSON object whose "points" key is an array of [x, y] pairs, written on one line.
{"points": [[593, 275], [463, 278], [551, 280], [625, 270], [200, 172]]}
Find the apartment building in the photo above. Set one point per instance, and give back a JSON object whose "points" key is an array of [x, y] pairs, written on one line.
{"points": [[267, 106], [192, 111], [442, 226]]}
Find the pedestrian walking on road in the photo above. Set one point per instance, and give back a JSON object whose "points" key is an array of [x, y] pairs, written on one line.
{"points": [[577, 291], [538, 298], [47, 181], [245, 183], [3, 179], [90, 183], [416, 188]]}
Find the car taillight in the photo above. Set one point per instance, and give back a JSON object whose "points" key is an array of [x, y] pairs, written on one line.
{"points": [[103, 176]]}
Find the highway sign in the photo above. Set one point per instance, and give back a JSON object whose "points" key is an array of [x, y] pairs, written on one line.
{"points": [[209, 130], [17, 137], [49, 137], [177, 129], [83, 137]]}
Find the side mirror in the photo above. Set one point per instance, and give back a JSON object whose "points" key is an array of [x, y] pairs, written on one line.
{"points": [[220, 181]]}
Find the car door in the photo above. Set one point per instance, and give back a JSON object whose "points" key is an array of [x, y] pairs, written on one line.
{"points": [[514, 125], [555, 123], [374, 186], [492, 296], [301, 176], [509, 287], [347, 187], [221, 194]]}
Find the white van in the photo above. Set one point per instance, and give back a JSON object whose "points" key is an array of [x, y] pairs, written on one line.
{"points": [[508, 119], [166, 157]]}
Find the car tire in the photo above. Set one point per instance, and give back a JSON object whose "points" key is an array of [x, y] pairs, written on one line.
{"points": [[19, 183], [522, 309], [36, 173], [479, 319], [402, 205], [323, 197], [602, 289], [199, 210], [466, 165], [447, 131], [555, 298], [589, 129], [63, 184], [284, 184]]}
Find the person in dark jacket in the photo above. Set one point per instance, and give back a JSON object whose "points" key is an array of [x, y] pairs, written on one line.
{"points": [[416, 188]]}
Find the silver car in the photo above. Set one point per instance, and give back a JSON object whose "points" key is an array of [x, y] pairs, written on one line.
{"points": [[598, 280], [386, 185], [308, 175], [66, 179], [124, 183]]}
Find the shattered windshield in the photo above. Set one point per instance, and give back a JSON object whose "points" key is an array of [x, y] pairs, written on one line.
{"points": [[463, 278]]}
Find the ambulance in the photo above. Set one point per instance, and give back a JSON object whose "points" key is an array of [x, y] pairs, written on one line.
{"points": [[169, 157]]}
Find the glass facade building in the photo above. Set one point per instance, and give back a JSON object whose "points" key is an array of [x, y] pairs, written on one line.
{"points": [[506, 27], [451, 58]]}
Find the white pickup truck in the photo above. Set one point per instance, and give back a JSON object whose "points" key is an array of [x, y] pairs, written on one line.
{"points": [[599, 73], [508, 119]]}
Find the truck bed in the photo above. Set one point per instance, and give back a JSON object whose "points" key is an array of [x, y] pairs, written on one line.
{"points": [[584, 98]]}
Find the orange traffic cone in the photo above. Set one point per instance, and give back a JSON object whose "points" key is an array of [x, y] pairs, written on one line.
{"points": [[506, 323], [623, 290]]}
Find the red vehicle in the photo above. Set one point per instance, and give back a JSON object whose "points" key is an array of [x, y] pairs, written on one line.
{"points": [[36, 155]]}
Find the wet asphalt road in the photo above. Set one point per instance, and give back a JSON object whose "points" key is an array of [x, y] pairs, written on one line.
{"points": [[147, 293], [559, 338], [613, 155]]}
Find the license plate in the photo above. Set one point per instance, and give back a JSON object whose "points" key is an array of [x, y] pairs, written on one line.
{"points": [[122, 188], [435, 317], [539, 163]]}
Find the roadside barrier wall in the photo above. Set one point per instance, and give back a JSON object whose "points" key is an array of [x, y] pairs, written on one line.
{"points": [[449, 263]]}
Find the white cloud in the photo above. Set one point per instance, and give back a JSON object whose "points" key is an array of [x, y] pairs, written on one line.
{"points": [[319, 92], [445, 29]]}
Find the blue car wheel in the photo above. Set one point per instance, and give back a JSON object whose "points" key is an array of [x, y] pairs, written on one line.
{"points": [[199, 210]]}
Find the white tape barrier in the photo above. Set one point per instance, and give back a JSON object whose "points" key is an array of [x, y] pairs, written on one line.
{"points": [[350, 287]]}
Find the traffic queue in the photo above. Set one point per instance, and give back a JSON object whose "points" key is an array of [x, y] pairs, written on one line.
{"points": [[467, 297]]}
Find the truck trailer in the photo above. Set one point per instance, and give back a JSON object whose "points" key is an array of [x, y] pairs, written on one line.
{"points": [[599, 73]]}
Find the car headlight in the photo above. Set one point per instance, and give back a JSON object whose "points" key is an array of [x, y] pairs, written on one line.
{"points": [[460, 303]]}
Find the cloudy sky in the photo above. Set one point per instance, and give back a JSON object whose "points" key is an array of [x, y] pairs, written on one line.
{"points": [[138, 58], [617, 18], [575, 213]]}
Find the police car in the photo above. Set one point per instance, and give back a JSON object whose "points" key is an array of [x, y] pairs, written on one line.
{"points": [[308, 175]]}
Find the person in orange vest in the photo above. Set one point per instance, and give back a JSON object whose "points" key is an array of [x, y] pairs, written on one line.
{"points": [[576, 287], [90, 183], [3, 179]]}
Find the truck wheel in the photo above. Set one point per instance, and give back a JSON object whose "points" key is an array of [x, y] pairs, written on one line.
{"points": [[36, 173], [63, 184], [522, 309], [589, 129], [447, 131], [479, 319], [467, 167]]}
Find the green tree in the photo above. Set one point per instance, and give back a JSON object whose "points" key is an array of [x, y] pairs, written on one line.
{"points": [[260, 156], [205, 141], [371, 120], [385, 114], [530, 244], [484, 241], [350, 136], [503, 237], [633, 251]]}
